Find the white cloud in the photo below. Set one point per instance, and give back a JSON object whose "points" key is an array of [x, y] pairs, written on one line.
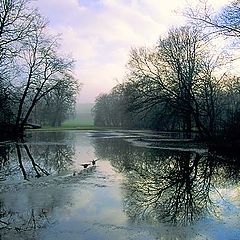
{"points": [[81, 48], [99, 34]]}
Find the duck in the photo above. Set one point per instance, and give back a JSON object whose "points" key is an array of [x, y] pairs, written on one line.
{"points": [[94, 161], [85, 165]]}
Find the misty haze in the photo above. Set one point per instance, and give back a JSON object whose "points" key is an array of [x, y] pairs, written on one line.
{"points": [[119, 120]]}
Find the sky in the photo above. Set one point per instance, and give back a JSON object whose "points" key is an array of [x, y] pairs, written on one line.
{"points": [[99, 34]]}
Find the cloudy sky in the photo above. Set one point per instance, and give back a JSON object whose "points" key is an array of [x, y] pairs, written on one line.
{"points": [[100, 33]]}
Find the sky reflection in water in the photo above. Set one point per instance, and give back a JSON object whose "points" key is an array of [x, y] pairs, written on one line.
{"points": [[132, 193]]}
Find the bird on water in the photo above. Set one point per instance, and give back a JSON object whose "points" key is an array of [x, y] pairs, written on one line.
{"points": [[85, 165], [94, 161]]}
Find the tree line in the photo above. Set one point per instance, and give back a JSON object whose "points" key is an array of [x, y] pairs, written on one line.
{"points": [[179, 83], [37, 83]]}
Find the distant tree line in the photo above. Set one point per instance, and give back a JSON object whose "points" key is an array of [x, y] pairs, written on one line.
{"points": [[179, 83], [36, 81]]}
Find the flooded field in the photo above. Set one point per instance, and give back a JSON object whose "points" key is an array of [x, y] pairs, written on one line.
{"points": [[144, 185]]}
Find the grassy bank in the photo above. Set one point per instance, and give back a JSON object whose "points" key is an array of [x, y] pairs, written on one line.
{"points": [[74, 125]]}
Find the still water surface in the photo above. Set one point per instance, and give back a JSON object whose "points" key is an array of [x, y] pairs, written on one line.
{"points": [[135, 191]]}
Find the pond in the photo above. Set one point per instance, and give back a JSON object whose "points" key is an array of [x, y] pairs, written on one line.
{"points": [[138, 188]]}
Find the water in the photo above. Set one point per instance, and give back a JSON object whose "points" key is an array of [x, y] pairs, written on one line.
{"points": [[137, 189]]}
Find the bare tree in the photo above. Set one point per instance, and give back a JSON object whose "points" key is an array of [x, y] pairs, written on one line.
{"points": [[59, 104], [30, 64], [41, 70], [16, 23], [227, 22], [175, 73]]}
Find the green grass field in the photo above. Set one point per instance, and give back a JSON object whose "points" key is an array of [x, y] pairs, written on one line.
{"points": [[72, 124], [78, 123], [82, 121]]}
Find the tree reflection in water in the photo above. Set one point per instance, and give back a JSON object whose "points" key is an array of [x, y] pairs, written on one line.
{"points": [[163, 185], [29, 160], [173, 188], [35, 160], [24, 222]]}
